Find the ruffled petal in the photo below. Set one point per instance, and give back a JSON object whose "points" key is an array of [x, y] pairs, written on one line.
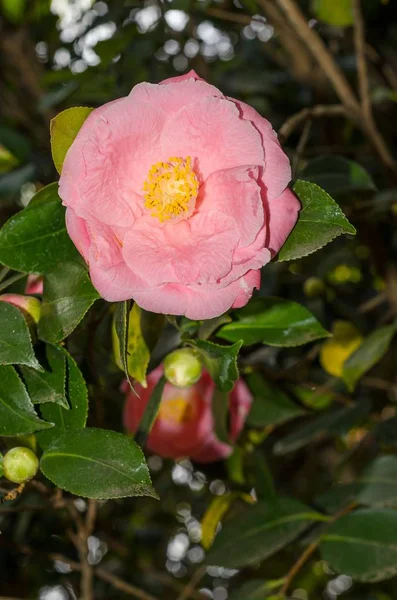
{"points": [[283, 214]]}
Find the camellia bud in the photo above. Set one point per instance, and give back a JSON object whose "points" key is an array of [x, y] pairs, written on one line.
{"points": [[30, 306], [182, 367], [20, 464]]}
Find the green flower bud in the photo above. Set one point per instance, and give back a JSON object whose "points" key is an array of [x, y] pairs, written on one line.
{"points": [[182, 367], [20, 464]]}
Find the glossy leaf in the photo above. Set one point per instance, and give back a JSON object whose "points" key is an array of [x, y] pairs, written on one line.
{"points": [[137, 351], [257, 589], [260, 532], [271, 406], [48, 385], [336, 174], [77, 398], [367, 355], [97, 463], [68, 294], [336, 422], [276, 322], [150, 414], [320, 221], [121, 325], [363, 545], [15, 343], [17, 415], [35, 240], [378, 483], [64, 128], [220, 361]]}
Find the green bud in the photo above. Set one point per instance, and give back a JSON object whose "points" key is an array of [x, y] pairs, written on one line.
{"points": [[20, 464], [182, 367]]}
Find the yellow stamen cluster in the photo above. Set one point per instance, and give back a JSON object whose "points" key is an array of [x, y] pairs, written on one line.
{"points": [[177, 410], [170, 189]]}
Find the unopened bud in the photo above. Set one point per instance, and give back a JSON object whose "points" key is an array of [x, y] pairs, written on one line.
{"points": [[29, 306], [182, 367], [20, 464]]}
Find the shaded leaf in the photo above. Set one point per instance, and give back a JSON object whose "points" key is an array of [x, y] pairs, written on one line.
{"points": [[35, 240], [320, 221], [97, 463], [17, 415], [336, 174], [378, 483], [260, 532], [271, 406], [363, 545], [68, 294], [220, 412], [276, 322], [121, 325], [367, 355], [48, 385], [15, 343], [220, 361], [150, 414], [64, 128]]}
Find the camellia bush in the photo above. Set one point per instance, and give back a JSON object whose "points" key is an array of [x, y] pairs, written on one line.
{"points": [[197, 315]]}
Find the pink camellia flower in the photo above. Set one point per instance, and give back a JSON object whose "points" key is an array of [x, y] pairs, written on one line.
{"points": [[184, 426], [176, 196]]}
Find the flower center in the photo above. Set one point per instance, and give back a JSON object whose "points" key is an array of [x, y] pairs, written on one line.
{"points": [[170, 189], [177, 410]]}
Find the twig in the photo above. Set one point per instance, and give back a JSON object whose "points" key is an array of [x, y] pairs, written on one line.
{"points": [[359, 43], [79, 539], [190, 586], [321, 110], [304, 138], [311, 549], [10, 280], [228, 15]]}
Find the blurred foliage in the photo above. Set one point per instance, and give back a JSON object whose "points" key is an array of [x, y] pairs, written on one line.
{"points": [[314, 448]]}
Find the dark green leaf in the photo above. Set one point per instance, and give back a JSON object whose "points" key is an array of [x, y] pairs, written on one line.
{"points": [[35, 239], [97, 463], [121, 324], [367, 355], [260, 532], [271, 405], [336, 422], [386, 433], [68, 294], [378, 483], [48, 385], [152, 326], [15, 343], [209, 326], [264, 484], [220, 361], [337, 497], [256, 589], [76, 395], [17, 415], [150, 413], [220, 411], [337, 175], [363, 545], [64, 128], [276, 322], [320, 221]]}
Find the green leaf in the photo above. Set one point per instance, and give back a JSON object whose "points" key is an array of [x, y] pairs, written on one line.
{"points": [[260, 532], [337, 175], [35, 240], [336, 422], [68, 294], [256, 589], [138, 354], [338, 13], [208, 327], [152, 326], [15, 343], [48, 385], [17, 415], [378, 483], [386, 433], [363, 545], [276, 322], [76, 395], [97, 463], [220, 411], [271, 406], [121, 324], [64, 128], [320, 221], [367, 355], [13, 10], [220, 361], [150, 414]]}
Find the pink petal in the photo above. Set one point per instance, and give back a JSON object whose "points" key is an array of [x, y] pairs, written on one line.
{"points": [[240, 405], [34, 284], [78, 232], [116, 283], [185, 77], [175, 95], [282, 218], [277, 173], [213, 134], [251, 280]]}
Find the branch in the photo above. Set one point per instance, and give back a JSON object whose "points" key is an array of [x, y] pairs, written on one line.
{"points": [[326, 110], [359, 43], [188, 590]]}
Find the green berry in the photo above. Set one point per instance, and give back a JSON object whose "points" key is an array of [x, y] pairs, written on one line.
{"points": [[20, 464], [182, 367]]}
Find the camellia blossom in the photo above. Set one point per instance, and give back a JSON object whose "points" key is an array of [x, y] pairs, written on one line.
{"points": [[176, 197], [184, 426]]}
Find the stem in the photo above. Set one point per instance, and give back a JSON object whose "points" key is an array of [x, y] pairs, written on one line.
{"points": [[10, 280]]}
